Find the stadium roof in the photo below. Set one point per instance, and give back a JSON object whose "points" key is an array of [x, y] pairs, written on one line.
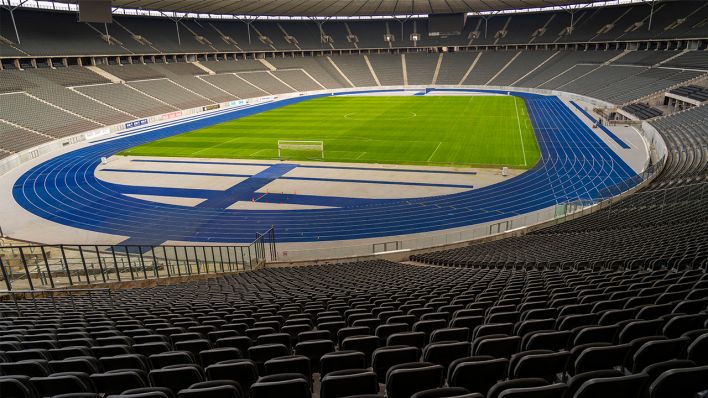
{"points": [[347, 7]]}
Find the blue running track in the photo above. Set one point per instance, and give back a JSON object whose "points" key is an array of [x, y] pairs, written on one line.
{"points": [[576, 164]]}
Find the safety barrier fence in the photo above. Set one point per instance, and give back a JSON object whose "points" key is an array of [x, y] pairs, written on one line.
{"points": [[35, 267]]}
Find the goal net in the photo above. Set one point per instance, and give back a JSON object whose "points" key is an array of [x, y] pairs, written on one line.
{"points": [[300, 149]]}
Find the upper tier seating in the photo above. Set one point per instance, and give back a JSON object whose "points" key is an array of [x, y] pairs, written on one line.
{"points": [[154, 88], [57, 33]]}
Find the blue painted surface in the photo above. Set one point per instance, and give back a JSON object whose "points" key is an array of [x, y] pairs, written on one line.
{"points": [[607, 131], [575, 164]]}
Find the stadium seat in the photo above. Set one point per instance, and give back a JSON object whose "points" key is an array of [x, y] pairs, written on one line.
{"points": [[613, 387], [281, 385], [342, 383], [404, 380], [477, 374]]}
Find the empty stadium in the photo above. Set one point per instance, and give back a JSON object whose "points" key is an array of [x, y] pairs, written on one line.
{"points": [[473, 199]]}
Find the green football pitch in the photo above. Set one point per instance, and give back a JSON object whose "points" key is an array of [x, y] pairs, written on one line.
{"points": [[424, 130]]}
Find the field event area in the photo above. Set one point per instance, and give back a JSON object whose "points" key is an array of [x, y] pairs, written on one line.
{"points": [[424, 130]]}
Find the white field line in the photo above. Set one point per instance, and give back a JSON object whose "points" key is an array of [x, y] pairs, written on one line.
{"points": [[518, 122], [436, 149]]}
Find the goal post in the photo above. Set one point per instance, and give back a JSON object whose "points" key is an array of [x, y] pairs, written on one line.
{"points": [[300, 149]]}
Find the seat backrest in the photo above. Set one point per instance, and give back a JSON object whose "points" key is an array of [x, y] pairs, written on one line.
{"points": [[243, 371], [548, 340], [413, 339], [613, 387], [641, 328], [88, 365], [443, 353], [450, 334], [446, 392], [602, 357], [658, 351], [385, 357], [292, 388], [314, 350], [497, 389], [31, 368], [216, 355], [55, 385], [500, 347], [289, 364], [680, 383], [224, 391], [343, 383], [404, 380], [544, 365], [575, 382], [116, 382], [175, 378], [552, 391], [17, 387], [698, 350], [148, 392], [341, 360], [171, 358], [125, 361], [478, 376]]}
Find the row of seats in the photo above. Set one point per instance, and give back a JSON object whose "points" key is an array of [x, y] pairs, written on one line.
{"points": [[363, 328], [642, 111]]}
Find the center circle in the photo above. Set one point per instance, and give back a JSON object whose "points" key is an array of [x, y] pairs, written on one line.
{"points": [[388, 116]]}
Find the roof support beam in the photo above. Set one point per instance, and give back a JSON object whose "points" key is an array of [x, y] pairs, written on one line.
{"points": [[248, 21], [176, 20], [651, 15], [12, 9]]}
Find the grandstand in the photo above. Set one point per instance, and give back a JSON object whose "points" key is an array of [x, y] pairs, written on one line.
{"points": [[508, 199]]}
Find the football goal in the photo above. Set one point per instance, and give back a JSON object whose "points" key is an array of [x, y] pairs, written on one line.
{"points": [[300, 149]]}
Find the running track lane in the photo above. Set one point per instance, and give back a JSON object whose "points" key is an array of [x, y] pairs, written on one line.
{"points": [[576, 164]]}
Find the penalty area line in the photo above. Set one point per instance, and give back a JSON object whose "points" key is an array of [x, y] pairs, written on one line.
{"points": [[436, 149]]}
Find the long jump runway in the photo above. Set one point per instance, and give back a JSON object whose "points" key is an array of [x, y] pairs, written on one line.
{"points": [[305, 202]]}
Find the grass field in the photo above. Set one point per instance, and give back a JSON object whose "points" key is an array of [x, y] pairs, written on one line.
{"points": [[433, 130]]}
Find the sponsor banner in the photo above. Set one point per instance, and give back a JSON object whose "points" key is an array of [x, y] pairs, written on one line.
{"points": [[238, 103], [171, 115], [136, 123], [97, 133], [211, 107]]}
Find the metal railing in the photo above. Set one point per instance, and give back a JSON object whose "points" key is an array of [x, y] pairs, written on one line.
{"points": [[37, 267]]}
